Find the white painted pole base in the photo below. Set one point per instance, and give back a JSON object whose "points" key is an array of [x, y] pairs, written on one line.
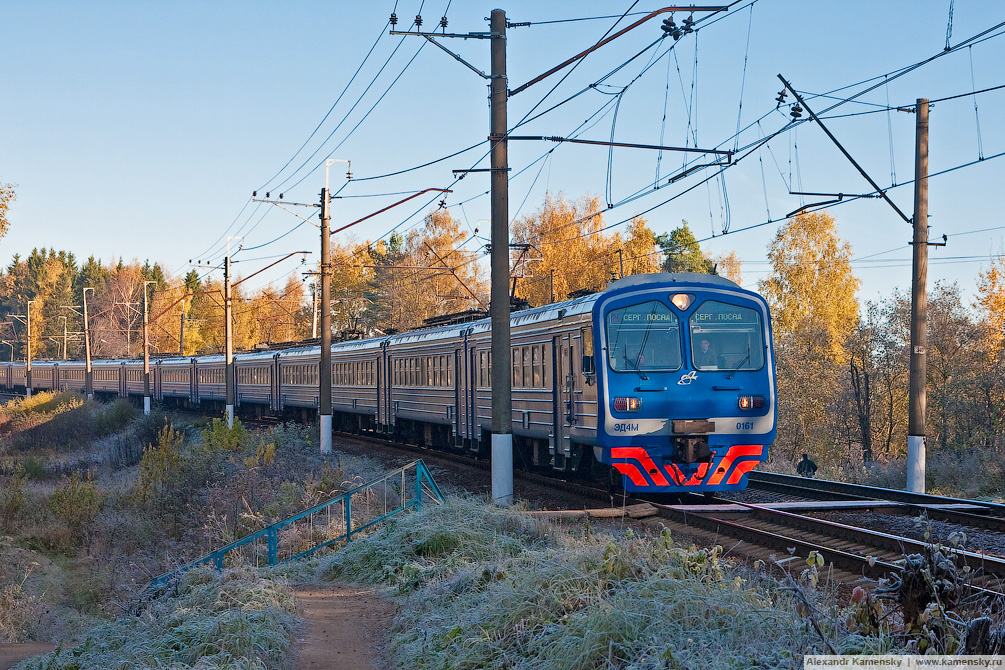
{"points": [[27, 393], [916, 463], [230, 416], [502, 469], [146, 404], [326, 433]]}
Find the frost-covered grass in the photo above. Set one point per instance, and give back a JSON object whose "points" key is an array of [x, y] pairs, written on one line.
{"points": [[229, 620], [483, 587]]}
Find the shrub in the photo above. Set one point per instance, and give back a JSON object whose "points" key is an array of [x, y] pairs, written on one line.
{"points": [[219, 436], [161, 462], [18, 608], [114, 416], [13, 496], [76, 503]]}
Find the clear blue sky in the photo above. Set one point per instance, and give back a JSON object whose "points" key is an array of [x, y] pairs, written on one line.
{"points": [[140, 129]]}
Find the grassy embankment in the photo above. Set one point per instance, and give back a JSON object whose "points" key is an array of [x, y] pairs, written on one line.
{"points": [[477, 586], [96, 499]]}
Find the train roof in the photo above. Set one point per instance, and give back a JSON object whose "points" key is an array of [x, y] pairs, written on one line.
{"points": [[670, 278]]}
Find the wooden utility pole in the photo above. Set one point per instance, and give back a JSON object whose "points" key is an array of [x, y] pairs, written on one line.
{"points": [[919, 309]]}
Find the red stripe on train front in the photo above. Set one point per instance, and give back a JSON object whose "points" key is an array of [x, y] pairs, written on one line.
{"points": [[735, 453], [642, 456], [632, 472], [742, 468]]}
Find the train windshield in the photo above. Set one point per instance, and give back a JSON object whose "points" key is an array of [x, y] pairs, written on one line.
{"points": [[726, 337], [643, 338]]}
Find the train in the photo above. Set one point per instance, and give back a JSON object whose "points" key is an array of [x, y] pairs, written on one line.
{"points": [[660, 383]]}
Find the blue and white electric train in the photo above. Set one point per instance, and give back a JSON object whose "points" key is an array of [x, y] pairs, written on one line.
{"points": [[664, 381]]}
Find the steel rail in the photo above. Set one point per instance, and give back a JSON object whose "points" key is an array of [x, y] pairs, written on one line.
{"points": [[766, 479], [871, 552]]}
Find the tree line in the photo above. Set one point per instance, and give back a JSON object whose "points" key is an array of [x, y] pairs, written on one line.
{"points": [[842, 367]]}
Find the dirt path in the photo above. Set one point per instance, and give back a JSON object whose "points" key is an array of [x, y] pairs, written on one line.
{"points": [[345, 628], [12, 654]]}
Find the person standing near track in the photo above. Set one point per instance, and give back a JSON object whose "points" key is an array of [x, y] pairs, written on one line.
{"points": [[806, 467]]}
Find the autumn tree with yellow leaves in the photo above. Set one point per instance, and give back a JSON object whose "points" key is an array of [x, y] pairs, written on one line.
{"points": [[567, 250], [811, 292]]}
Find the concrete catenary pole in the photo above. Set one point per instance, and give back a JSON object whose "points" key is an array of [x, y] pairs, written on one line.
{"points": [[146, 349], [325, 371], [502, 413], [27, 372], [228, 329], [919, 309], [88, 375]]}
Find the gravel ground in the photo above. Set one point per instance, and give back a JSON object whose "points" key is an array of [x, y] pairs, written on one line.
{"points": [[981, 541]]}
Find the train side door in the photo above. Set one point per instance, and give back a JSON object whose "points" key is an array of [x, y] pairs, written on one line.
{"points": [[474, 372], [460, 397], [564, 407], [384, 380]]}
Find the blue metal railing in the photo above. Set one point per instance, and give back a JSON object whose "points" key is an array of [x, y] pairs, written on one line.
{"points": [[302, 534]]}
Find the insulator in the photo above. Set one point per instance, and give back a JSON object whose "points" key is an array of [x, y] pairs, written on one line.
{"points": [[781, 97], [348, 176], [443, 23], [394, 19], [796, 111], [266, 194], [418, 21], [668, 25], [254, 194], [443, 203], [689, 25], [280, 196], [677, 34]]}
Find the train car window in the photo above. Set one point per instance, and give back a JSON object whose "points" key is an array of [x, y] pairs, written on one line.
{"points": [[538, 366], [517, 368], [726, 337], [643, 338], [484, 368]]}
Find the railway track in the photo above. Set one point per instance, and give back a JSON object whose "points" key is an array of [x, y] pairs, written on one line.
{"points": [[782, 529], [969, 513], [856, 552]]}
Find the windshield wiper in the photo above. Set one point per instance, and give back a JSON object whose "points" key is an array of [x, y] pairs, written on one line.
{"points": [[737, 369], [635, 365]]}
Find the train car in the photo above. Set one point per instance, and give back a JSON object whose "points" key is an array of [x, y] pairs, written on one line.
{"points": [[659, 383], [175, 380], [71, 376], [355, 375], [420, 387], [298, 380], [211, 380], [44, 375], [106, 377], [255, 381], [686, 371]]}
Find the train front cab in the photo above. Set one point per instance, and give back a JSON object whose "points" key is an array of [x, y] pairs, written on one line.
{"points": [[688, 388]]}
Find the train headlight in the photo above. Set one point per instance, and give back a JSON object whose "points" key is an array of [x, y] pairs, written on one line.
{"points": [[750, 402], [682, 300], [627, 404]]}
